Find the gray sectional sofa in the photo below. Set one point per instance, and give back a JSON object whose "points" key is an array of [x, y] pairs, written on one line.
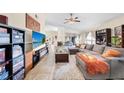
{"points": [[116, 64]]}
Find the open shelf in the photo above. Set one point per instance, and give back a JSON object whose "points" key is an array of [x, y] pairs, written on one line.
{"points": [[8, 48], [13, 65], [118, 37], [103, 37]]}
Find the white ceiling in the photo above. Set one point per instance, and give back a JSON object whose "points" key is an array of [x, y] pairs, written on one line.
{"points": [[88, 20]]}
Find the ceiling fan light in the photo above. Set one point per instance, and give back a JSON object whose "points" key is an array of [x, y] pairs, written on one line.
{"points": [[71, 22]]}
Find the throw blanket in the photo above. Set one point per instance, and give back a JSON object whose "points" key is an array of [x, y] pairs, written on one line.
{"points": [[94, 65]]}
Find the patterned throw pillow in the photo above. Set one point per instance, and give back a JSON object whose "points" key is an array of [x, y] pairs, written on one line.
{"points": [[98, 48]]}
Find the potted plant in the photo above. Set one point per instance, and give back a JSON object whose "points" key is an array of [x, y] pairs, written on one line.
{"points": [[116, 41]]}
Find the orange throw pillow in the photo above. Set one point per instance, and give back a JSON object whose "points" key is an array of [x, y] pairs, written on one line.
{"points": [[111, 53]]}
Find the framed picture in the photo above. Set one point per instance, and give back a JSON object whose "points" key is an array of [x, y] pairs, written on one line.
{"points": [[32, 24]]}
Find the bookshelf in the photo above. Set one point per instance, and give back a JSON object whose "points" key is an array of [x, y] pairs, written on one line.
{"points": [[103, 37], [118, 37], [12, 53], [17, 55]]}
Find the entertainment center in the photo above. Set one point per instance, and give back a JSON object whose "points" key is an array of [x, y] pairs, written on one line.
{"points": [[39, 54], [103, 37], [39, 47]]}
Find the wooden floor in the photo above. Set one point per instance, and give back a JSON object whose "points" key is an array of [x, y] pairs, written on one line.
{"points": [[46, 69], [43, 70]]}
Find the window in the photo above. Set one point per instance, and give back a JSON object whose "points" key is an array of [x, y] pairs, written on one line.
{"points": [[77, 39], [90, 38]]}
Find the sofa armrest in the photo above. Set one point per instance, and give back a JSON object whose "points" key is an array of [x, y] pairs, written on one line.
{"points": [[113, 59], [116, 67]]}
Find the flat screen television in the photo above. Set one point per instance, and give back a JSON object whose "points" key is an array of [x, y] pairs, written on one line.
{"points": [[38, 39]]}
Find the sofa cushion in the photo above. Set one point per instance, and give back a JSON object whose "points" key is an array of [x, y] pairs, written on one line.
{"points": [[98, 48], [111, 53], [121, 50], [89, 47], [94, 64]]}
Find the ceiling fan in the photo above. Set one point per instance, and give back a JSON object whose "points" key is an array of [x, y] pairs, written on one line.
{"points": [[72, 19]]}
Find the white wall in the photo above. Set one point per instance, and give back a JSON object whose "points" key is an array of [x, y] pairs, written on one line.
{"points": [[16, 19], [61, 32], [109, 24], [112, 23], [19, 20]]}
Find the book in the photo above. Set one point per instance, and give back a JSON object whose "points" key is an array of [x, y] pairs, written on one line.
{"points": [[3, 30], [17, 51], [4, 38], [2, 55], [19, 76]]}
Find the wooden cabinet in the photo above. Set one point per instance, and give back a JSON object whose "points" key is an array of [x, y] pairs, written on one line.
{"points": [[39, 54], [28, 61], [28, 50]]}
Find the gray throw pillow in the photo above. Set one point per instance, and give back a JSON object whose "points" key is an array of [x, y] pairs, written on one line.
{"points": [[99, 48], [89, 47]]}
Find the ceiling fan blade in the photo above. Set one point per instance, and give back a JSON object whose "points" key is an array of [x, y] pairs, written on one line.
{"points": [[78, 21], [67, 19], [76, 18], [66, 22]]}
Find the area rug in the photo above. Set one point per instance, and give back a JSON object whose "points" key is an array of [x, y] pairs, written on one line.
{"points": [[67, 71]]}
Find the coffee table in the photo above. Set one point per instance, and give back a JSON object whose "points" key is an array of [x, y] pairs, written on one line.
{"points": [[61, 55]]}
